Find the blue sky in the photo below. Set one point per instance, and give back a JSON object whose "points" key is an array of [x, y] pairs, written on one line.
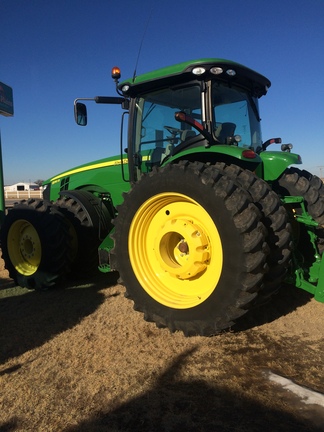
{"points": [[55, 51]]}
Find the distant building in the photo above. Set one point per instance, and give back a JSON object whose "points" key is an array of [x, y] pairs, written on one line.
{"points": [[22, 187]]}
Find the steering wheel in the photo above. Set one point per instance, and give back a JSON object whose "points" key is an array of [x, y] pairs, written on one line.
{"points": [[173, 131]]}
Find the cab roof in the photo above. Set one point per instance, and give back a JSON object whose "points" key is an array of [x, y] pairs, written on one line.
{"points": [[201, 69]]}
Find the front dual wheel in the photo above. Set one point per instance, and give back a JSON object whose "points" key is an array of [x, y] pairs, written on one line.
{"points": [[189, 246], [35, 244]]}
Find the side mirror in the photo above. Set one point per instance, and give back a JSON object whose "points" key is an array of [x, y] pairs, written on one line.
{"points": [[80, 114]]}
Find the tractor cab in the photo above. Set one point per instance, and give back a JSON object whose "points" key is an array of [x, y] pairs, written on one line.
{"points": [[199, 104]]}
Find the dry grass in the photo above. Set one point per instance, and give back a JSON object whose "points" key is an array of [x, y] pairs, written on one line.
{"points": [[81, 359]]}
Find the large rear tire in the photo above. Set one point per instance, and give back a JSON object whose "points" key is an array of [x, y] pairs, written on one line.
{"points": [[189, 247], [89, 223], [34, 242], [296, 182], [275, 218]]}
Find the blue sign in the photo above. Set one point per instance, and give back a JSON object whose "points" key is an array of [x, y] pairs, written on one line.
{"points": [[6, 100]]}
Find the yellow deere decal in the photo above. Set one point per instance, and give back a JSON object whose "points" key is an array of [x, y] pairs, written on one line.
{"points": [[88, 168]]}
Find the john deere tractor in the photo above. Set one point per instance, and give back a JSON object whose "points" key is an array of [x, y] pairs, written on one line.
{"points": [[200, 218]]}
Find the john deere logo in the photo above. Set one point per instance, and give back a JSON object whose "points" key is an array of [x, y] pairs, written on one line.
{"points": [[6, 100]]}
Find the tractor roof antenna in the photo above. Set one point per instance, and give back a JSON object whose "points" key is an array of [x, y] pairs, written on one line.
{"points": [[140, 47]]}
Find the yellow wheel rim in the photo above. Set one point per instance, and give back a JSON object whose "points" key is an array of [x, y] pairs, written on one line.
{"points": [[24, 247], [175, 250]]}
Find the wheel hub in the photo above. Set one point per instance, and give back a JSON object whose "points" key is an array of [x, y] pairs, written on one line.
{"points": [[24, 247], [27, 246], [182, 248]]}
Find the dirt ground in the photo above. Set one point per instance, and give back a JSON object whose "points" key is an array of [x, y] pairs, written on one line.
{"points": [[81, 359]]}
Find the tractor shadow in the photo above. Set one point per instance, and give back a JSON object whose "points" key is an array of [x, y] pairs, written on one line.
{"points": [[30, 318], [288, 299], [174, 404], [6, 283]]}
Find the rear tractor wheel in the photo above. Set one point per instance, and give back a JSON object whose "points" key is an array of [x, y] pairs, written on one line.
{"points": [[189, 247], [34, 242], [296, 182], [275, 219]]}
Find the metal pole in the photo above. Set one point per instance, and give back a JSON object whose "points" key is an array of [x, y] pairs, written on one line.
{"points": [[2, 198], [6, 109]]}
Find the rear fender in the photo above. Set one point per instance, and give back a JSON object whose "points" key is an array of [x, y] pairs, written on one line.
{"points": [[220, 153], [275, 163]]}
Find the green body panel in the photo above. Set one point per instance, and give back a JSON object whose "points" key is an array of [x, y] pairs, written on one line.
{"points": [[217, 153], [275, 163], [107, 245], [319, 289], [104, 174], [311, 277]]}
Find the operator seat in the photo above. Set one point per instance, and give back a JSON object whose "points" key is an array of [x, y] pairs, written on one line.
{"points": [[156, 156], [186, 134], [158, 153], [224, 131]]}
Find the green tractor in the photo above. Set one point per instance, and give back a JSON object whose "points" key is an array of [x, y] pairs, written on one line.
{"points": [[201, 220]]}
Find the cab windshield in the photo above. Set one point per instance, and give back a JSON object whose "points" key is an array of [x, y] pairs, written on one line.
{"points": [[157, 132], [235, 113]]}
